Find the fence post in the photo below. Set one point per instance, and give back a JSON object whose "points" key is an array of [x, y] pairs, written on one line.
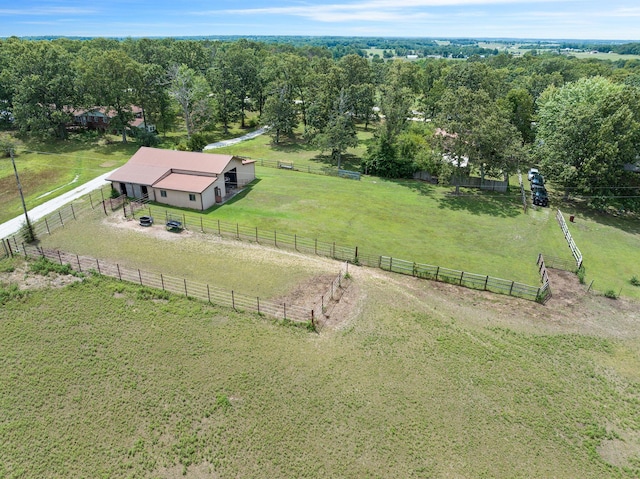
{"points": [[140, 276], [46, 223], [60, 215], [91, 201], [380, 262], [233, 300], [258, 303], [285, 310], [98, 264], [237, 231], [219, 233], [295, 242], [104, 207], [201, 225], [486, 281], [461, 276], [162, 281], [60, 257], [73, 212], [208, 293], [511, 289], [102, 193], [25, 250], [437, 271], [79, 265], [257, 235], [333, 255], [185, 288], [316, 246], [119, 274]]}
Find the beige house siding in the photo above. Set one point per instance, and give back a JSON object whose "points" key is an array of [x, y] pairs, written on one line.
{"points": [[179, 199], [209, 197], [246, 173]]}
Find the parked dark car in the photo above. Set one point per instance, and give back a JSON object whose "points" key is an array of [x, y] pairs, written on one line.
{"points": [[532, 171], [539, 196], [537, 180]]}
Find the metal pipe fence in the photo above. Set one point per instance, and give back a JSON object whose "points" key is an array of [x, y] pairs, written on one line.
{"points": [[352, 255], [192, 289]]}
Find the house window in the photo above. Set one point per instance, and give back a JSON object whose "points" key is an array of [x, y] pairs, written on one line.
{"points": [[192, 197], [163, 193]]}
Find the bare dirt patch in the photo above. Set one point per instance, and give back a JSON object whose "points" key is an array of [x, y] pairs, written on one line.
{"points": [[26, 279]]}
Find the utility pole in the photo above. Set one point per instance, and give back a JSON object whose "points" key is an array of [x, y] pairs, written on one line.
{"points": [[24, 206]]}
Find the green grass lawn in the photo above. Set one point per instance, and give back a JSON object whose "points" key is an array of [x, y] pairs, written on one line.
{"points": [[99, 380], [484, 234], [47, 170]]}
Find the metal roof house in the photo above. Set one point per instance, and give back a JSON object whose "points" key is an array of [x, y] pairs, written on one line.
{"points": [[182, 178]]}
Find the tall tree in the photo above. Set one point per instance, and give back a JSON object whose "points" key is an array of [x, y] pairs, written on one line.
{"points": [[339, 133], [587, 131], [110, 80], [43, 83], [280, 112], [191, 91]]}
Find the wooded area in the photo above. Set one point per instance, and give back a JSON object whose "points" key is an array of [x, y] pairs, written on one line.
{"points": [[491, 112]]}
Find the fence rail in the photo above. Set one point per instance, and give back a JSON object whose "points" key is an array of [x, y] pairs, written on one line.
{"points": [[523, 194], [545, 291], [567, 234], [460, 278], [353, 255], [192, 289], [282, 240]]}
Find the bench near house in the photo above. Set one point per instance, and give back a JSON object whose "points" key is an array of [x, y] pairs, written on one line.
{"points": [[182, 178]]}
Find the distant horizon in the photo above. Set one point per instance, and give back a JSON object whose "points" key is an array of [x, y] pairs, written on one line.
{"points": [[480, 39], [527, 20]]}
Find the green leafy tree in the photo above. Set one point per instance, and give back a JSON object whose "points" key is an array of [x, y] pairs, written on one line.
{"points": [[191, 91], [280, 113], [587, 131], [339, 133], [43, 83], [110, 80]]}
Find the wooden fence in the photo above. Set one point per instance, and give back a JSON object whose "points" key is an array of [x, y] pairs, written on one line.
{"points": [[545, 291], [476, 182], [523, 194], [460, 278], [282, 240], [191, 289], [567, 234]]}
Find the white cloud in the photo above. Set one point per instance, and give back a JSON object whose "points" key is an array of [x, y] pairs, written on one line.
{"points": [[369, 10]]}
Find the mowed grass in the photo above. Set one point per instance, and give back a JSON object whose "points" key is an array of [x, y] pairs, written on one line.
{"points": [[611, 250], [101, 380], [47, 170]]}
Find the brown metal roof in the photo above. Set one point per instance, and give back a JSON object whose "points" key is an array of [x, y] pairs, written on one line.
{"points": [[189, 183], [149, 165], [138, 174], [181, 160]]}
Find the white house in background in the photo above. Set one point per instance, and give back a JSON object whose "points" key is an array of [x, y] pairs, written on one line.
{"points": [[182, 178]]}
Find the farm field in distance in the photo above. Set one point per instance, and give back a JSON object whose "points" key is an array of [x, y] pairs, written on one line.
{"points": [[416, 379]]}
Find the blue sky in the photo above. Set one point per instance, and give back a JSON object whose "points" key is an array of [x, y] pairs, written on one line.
{"points": [[550, 19]]}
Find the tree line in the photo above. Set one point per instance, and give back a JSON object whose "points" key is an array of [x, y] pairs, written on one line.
{"points": [[578, 119]]}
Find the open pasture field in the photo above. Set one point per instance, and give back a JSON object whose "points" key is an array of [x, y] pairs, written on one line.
{"points": [[417, 379], [484, 234], [49, 169], [479, 233]]}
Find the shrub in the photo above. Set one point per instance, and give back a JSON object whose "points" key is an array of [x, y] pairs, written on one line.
{"points": [[634, 281], [44, 266], [581, 274], [611, 294]]}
